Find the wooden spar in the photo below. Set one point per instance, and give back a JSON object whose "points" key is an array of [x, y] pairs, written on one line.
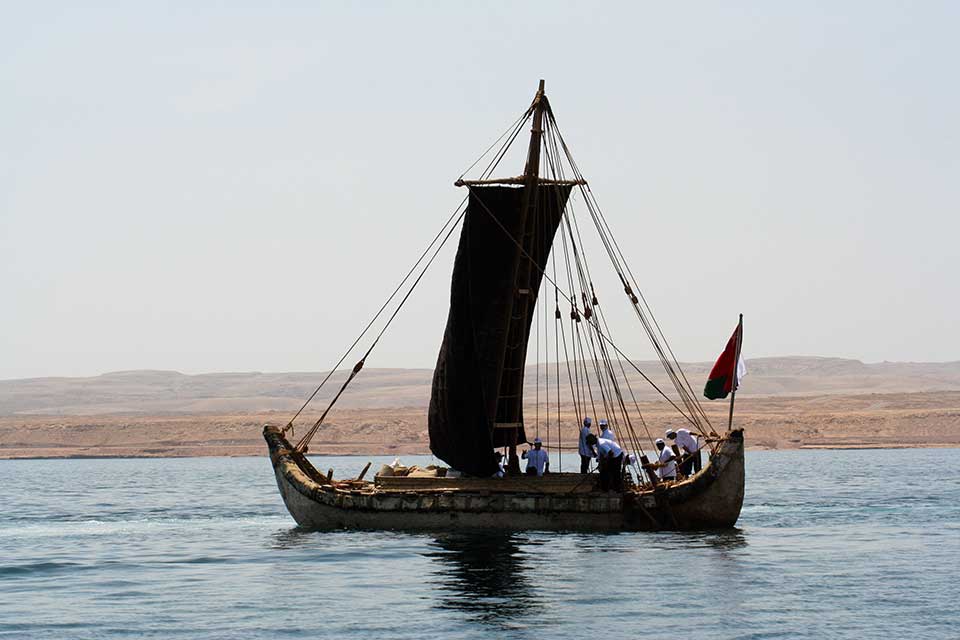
{"points": [[364, 472], [677, 457], [650, 469], [736, 362], [515, 180], [733, 396], [531, 175]]}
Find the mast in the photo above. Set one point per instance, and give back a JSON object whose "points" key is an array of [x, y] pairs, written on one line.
{"points": [[532, 169], [510, 407]]}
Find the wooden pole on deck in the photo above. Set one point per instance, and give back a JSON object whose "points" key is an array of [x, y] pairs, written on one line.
{"points": [[650, 469], [364, 472], [736, 362]]}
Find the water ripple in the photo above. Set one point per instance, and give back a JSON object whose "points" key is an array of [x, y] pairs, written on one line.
{"points": [[205, 549]]}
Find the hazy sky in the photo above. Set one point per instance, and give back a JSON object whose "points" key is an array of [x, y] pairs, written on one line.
{"points": [[234, 187]]}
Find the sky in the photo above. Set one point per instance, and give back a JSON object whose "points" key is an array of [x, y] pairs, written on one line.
{"points": [[214, 186]]}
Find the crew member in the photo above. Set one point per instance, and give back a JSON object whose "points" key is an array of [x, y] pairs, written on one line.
{"points": [[538, 460], [690, 447], [586, 451], [605, 432], [668, 461], [610, 459]]}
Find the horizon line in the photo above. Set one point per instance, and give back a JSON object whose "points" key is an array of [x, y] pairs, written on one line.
{"points": [[386, 368]]}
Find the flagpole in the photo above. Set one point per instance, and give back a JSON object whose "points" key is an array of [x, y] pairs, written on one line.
{"points": [[736, 363]]}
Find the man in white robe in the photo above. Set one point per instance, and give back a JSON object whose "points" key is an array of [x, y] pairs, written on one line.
{"points": [[668, 461], [586, 451], [538, 460], [690, 448], [606, 432]]}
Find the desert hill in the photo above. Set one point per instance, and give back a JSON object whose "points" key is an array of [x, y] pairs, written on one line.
{"points": [[170, 392], [797, 402]]}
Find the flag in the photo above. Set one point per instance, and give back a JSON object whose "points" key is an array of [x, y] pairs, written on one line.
{"points": [[729, 369]]}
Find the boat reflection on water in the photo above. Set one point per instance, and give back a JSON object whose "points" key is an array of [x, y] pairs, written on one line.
{"points": [[482, 574], [293, 538], [727, 540]]}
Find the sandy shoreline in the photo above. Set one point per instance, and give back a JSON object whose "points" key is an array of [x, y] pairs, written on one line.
{"points": [[866, 421]]}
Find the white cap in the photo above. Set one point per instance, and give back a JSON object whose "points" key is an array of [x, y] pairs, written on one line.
{"points": [[660, 441], [603, 422]]}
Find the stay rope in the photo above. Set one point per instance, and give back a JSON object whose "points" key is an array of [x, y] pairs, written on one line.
{"points": [[445, 231], [305, 440], [671, 365]]}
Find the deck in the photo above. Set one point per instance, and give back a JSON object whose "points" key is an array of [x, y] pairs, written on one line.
{"points": [[552, 483]]}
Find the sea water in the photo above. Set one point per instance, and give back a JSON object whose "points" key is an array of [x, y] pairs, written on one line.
{"points": [[830, 544]]}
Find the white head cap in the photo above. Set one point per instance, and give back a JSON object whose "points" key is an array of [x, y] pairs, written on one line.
{"points": [[603, 422]]}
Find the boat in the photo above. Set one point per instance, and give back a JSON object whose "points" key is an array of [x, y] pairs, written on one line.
{"points": [[521, 244]]}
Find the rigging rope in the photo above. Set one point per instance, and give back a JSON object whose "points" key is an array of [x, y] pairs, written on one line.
{"points": [[511, 133], [456, 211], [305, 440], [572, 303], [590, 308], [671, 365]]}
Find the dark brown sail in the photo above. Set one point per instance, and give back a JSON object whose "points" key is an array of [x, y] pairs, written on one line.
{"points": [[469, 381]]}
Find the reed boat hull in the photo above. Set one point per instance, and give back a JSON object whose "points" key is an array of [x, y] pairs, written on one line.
{"points": [[711, 499]]}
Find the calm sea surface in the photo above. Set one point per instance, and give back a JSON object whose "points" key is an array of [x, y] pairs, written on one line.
{"points": [[831, 544]]}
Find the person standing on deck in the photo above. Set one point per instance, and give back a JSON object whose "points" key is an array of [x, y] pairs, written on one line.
{"points": [[586, 451], [538, 460], [691, 449], [668, 461], [605, 432], [500, 470]]}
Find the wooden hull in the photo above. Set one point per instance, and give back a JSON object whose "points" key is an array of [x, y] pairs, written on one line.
{"points": [[711, 499]]}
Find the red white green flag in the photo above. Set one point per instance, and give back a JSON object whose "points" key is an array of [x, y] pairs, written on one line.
{"points": [[729, 369]]}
